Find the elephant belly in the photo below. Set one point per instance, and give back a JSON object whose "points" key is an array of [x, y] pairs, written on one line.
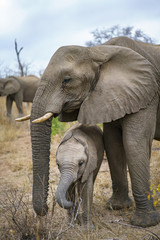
{"points": [[28, 96]]}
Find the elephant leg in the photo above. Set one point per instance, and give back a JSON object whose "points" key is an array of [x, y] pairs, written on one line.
{"points": [[86, 193], [70, 195], [138, 133], [9, 102], [19, 100], [118, 167]]}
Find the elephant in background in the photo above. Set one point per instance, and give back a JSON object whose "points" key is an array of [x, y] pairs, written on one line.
{"points": [[79, 157], [117, 84], [18, 89]]}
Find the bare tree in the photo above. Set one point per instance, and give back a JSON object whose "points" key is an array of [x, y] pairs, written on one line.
{"points": [[18, 57], [23, 68], [5, 70], [101, 36]]}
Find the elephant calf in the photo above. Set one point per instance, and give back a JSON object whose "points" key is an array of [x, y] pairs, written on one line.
{"points": [[79, 157]]}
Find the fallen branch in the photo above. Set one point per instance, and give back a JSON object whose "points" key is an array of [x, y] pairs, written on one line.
{"points": [[132, 226]]}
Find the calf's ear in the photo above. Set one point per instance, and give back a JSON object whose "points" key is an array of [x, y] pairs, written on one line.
{"points": [[91, 164], [66, 137], [91, 152]]}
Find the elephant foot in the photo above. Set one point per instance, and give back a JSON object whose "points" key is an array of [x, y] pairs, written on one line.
{"points": [[145, 219], [118, 202], [85, 223]]}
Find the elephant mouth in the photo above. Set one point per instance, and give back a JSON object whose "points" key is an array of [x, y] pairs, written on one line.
{"points": [[71, 106], [67, 108], [55, 115]]}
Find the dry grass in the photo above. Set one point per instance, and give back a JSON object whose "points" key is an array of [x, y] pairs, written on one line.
{"points": [[17, 218], [9, 129]]}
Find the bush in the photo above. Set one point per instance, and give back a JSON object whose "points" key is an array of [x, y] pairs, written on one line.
{"points": [[155, 194], [58, 127]]}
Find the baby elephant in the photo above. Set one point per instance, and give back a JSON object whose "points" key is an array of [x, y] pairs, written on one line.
{"points": [[79, 157]]}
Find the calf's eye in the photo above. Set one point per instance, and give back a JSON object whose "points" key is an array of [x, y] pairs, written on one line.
{"points": [[66, 80], [81, 163]]}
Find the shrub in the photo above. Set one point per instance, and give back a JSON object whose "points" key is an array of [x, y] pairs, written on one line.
{"points": [[58, 127], [155, 194]]}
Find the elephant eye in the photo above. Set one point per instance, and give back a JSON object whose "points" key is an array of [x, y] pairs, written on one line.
{"points": [[81, 163], [66, 80]]}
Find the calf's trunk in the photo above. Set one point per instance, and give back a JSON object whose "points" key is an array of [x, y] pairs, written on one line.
{"points": [[64, 184]]}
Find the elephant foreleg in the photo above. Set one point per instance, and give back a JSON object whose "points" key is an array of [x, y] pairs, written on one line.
{"points": [[9, 102], [70, 195], [86, 194], [19, 100], [117, 164]]}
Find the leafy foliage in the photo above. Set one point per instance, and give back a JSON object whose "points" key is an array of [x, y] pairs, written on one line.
{"points": [[58, 127], [103, 35]]}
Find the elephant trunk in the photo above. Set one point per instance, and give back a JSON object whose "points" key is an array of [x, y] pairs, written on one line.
{"points": [[40, 139], [63, 186]]}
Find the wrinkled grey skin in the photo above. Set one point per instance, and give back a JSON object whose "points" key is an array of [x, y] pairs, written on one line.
{"points": [[118, 84], [79, 157], [18, 89]]}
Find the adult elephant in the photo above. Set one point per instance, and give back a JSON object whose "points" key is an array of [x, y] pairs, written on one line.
{"points": [[18, 89], [117, 84]]}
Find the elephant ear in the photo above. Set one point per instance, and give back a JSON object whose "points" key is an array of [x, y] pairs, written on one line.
{"points": [[126, 84], [91, 152], [11, 86], [66, 136]]}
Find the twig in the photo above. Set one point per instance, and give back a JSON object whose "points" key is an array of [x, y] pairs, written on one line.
{"points": [[145, 237], [15, 222], [128, 225], [73, 221], [80, 201]]}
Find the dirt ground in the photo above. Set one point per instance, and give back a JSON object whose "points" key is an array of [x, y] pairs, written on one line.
{"points": [[17, 218]]}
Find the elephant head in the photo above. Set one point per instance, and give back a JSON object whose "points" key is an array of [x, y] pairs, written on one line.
{"points": [[8, 86], [76, 158], [91, 84]]}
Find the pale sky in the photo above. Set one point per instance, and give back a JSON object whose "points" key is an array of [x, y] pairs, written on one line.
{"points": [[42, 26]]}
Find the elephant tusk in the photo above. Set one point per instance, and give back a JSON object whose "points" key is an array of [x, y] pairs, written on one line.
{"points": [[23, 118], [43, 118]]}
